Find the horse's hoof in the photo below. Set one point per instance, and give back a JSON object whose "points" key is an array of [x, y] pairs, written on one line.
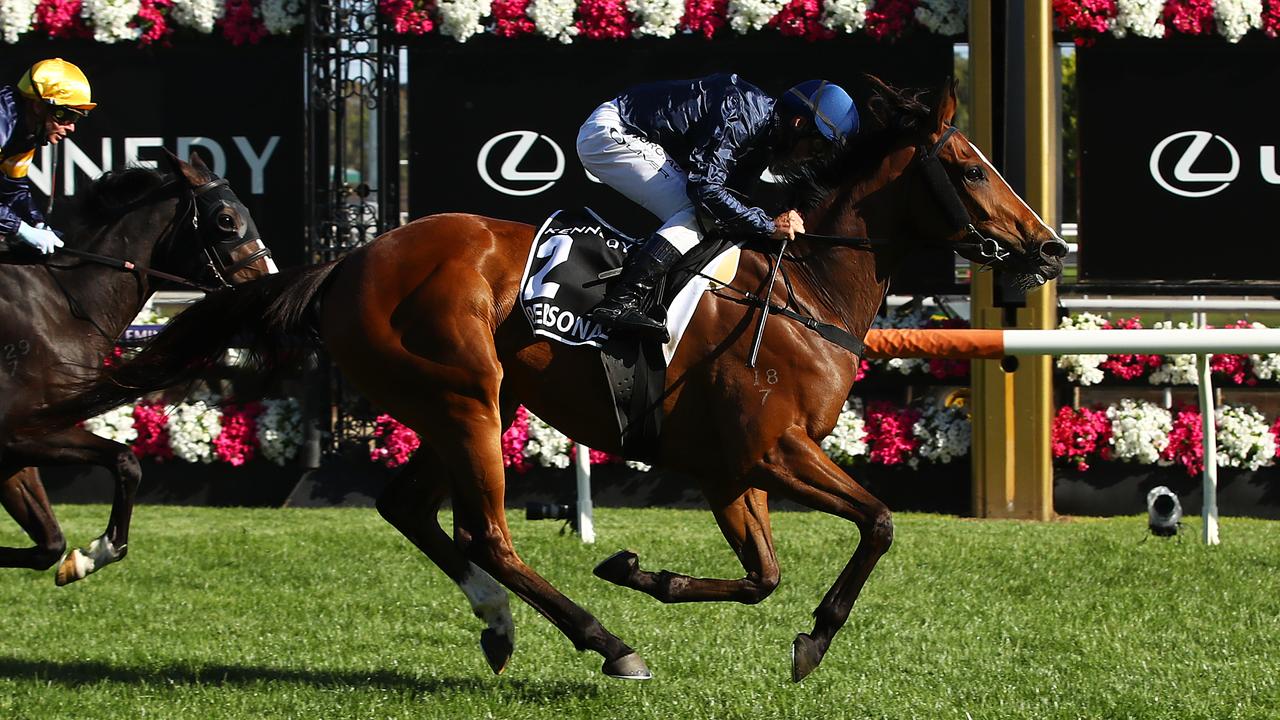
{"points": [[497, 649], [627, 667], [74, 567], [618, 567], [805, 656]]}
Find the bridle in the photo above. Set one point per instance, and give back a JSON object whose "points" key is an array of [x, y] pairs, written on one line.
{"points": [[203, 201]]}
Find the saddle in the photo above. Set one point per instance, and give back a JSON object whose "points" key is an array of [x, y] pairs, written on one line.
{"points": [[572, 256]]}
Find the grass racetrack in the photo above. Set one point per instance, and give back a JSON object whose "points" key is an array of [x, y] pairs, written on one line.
{"points": [[322, 614]]}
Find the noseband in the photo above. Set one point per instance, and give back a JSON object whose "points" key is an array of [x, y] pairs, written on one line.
{"points": [[945, 192]]}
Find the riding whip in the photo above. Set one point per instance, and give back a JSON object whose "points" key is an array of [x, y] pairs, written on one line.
{"points": [[764, 305]]}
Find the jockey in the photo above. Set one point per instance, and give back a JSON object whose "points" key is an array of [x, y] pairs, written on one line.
{"points": [[683, 148], [42, 109]]}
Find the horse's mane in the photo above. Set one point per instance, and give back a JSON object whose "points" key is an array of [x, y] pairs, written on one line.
{"points": [[116, 191], [893, 114]]}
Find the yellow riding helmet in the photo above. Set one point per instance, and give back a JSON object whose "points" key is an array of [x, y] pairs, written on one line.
{"points": [[58, 82]]}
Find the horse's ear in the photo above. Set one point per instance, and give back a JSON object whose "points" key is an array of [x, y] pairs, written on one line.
{"points": [[883, 98], [944, 111], [195, 172], [197, 162]]}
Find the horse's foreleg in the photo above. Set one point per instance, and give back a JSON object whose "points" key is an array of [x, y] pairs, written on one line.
{"points": [[744, 520], [411, 503], [800, 470], [23, 496], [76, 446]]}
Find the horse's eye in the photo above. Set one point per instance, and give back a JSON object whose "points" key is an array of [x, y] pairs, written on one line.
{"points": [[226, 223], [975, 173]]}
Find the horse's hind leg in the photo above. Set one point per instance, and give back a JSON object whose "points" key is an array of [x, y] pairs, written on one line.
{"points": [[23, 496], [800, 470], [744, 520], [411, 503]]}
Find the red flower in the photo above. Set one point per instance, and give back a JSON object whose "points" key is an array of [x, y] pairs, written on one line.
{"points": [[150, 421], [1186, 441], [1271, 18], [394, 442], [152, 19], [1084, 20], [242, 23], [238, 440], [1079, 434], [802, 18], [1129, 366], [513, 442], [889, 433], [62, 19], [1189, 17], [512, 18], [705, 16], [1235, 368], [604, 19], [890, 19], [408, 16]]}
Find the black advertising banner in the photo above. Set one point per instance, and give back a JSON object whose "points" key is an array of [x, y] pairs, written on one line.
{"points": [[493, 122], [240, 107], [1178, 180]]}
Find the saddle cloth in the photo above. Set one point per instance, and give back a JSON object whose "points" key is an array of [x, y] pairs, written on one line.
{"points": [[561, 281]]}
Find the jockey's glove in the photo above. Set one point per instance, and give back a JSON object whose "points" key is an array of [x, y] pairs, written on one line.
{"points": [[41, 238]]}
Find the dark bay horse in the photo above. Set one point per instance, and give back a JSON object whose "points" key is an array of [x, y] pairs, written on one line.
{"points": [[60, 317], [421, 321]]}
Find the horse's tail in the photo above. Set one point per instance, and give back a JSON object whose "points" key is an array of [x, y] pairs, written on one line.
{"points": [[267, 317]]}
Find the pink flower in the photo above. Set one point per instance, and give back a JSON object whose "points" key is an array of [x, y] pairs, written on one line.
{"points": [[802, 18], [512, 18], [61, 19], [1189, 17], [242, 24], [889, 433], [393, 442], [1186, 441], [1078, 434], [705, 16], [1084, 20], [604, 19], [1129, 367], [1271, 18], [514, 440], [238, 440], [150, 421], [152, 19], [1235, 368], [863, 367], [408, 16], [890, 19]]}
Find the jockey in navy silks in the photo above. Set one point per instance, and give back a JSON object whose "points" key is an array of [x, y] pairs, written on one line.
{"points": [[684, 148], [43, 108]]}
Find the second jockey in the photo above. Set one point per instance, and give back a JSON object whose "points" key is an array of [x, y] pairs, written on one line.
{"points": [[685, 147]]}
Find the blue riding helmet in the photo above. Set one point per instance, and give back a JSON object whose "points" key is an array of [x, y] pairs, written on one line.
{"points": [[826, 105]]}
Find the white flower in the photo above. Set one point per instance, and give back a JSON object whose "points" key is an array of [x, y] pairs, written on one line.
{"points": [[943, 17], [554, 19], [279, 430], [197, 14], [114, 424], [16, 18], [657, 18], [1175, 369], [1266, 367], [1234, 18], [110, 19], [845, 15], [546, 445], [1139, 430], [460, 19], [280, 17], [848, 440], [192, 427], [748, 15], [1082, 369], [148, 315], [637, 465], [945, 433], [1244, 438], [1140, 17]]}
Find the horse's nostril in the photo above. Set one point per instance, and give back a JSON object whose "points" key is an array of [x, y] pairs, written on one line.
{"points": [[1054, 248]]}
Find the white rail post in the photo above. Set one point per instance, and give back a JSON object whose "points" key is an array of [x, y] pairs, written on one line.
{"points": [[1209, 511], [582, 463]]}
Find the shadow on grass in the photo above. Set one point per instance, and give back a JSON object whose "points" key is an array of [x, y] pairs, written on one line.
{"points": [[80, 672]]}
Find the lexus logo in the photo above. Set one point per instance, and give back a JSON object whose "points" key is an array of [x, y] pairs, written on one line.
{"points": [[1190, 182], [511, 179]]}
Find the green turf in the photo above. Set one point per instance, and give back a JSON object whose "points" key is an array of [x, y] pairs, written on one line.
{"points": [[323, 614]]}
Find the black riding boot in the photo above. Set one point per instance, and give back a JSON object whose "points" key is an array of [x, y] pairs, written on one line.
{"points": [[623, 306]]}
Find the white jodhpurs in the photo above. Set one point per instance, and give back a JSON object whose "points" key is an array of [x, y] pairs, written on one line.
{"points": [[641, 171]]}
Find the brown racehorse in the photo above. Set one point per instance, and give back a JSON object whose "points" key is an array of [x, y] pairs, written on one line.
{"points": [[421, 321], [134, 230]]}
